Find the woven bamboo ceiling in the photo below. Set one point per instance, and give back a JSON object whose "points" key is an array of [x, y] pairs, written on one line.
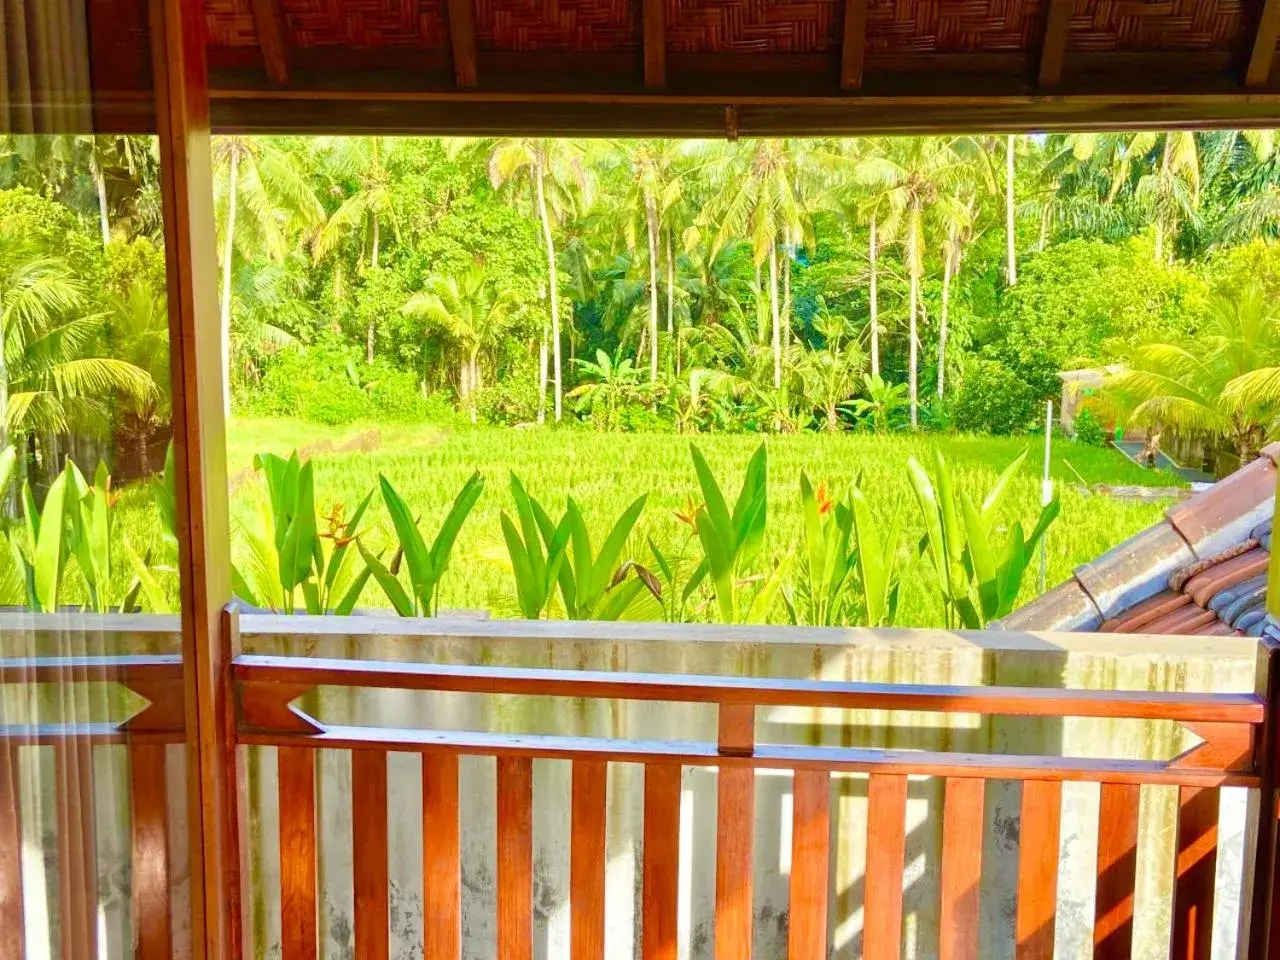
{"points": [[715, 67]]}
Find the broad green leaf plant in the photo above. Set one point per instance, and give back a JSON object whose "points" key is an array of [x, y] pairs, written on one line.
{"points": [[979, 573], [732, 542], [546, 554], [426, 566], [292, 567]]}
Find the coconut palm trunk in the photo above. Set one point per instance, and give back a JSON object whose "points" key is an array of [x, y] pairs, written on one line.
{"points": [[671, 289], [549, 242], [786, 300], [948, 268], [372, 333], [913, 301], [777, 322], [875, 311], [100, 184], [1010, 239], [542, 377], [651, 221], [228, 251]]}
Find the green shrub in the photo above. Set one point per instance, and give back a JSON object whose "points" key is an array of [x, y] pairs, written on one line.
{"points": [[513, 399], [336, 402], [993, 399], [395, 394], [1089, 429], [318, 382]]}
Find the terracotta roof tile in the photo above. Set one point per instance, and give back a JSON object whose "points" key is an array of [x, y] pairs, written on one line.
{"points": [[1203, 570], [1188, 619], [1209, 520], [1218, 629], [1230, 603], [1178, 579], [1138, 617], [1252, 621], [1202, 587]]}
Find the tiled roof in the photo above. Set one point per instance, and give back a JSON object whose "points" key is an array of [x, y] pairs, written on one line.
{"points": [[1202, 570]]}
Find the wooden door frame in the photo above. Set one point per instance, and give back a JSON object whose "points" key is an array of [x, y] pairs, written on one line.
{"points": [[199, 431]]}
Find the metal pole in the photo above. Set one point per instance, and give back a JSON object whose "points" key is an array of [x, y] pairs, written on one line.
{"points": [[1046, 490]]}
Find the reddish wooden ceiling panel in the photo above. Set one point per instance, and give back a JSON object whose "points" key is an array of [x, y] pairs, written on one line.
{"points": [[366, 23], [753, 26], [556, 25], [952, 26], [1131, 25], [230, 23]]}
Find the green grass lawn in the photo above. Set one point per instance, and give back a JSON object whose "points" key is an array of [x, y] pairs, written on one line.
{"points": [[604, 472]]}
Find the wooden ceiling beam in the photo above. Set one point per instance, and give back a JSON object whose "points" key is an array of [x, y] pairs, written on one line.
{"points": [[654, 15], [1053, 49], [1263, 54], [853, 48], [268, 16], [462, 41]]}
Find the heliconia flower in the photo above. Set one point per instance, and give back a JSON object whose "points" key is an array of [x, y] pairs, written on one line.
{"points": [[825, 503], [689, 515]]}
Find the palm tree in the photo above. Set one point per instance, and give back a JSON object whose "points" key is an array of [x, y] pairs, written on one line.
{"points": [[1010, 221], [1161, 173], [51, 376], [882, 402], [652, 194], [956, 213], [910, 176], [555, 174], [138, 324], [830, 375], [613, 384], [469, 310], [363, 213], [1225, 382], [759, 195], [255, 178]]}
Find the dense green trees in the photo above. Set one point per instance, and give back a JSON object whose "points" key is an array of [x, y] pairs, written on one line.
{"points": [[771, 284]]}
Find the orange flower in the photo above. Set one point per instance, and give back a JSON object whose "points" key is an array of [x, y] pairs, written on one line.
{"points": [[689, 515], [825, 503]]}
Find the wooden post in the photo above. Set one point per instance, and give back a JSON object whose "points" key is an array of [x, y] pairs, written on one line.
{"points": [[186, 181], [1261, 905]]}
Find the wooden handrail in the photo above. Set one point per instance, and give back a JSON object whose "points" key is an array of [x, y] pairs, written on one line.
{"points": [[91, 669], [757, 691]]}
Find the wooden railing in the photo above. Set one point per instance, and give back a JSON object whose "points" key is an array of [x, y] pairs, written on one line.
{"points": [[1227, 725], [158, 679], [1231, 727]]}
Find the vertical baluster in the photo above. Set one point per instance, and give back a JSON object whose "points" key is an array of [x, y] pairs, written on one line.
{"points": [[369, 848], [661, 879], [1038, 868], [1196, 863], [297, 789], [735, 830], [586, 860], [886, 849], [77, 850], [1117, 871], [152, 936], [810, 843], [962, 828], [441, 894], [735, 827], [12, 941], [515, 858]]}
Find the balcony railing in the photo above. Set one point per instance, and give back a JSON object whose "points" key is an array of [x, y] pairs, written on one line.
{"points": [[315, 697]]}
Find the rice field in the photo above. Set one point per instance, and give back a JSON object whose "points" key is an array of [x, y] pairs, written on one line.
{"points": [[605, 472]]}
